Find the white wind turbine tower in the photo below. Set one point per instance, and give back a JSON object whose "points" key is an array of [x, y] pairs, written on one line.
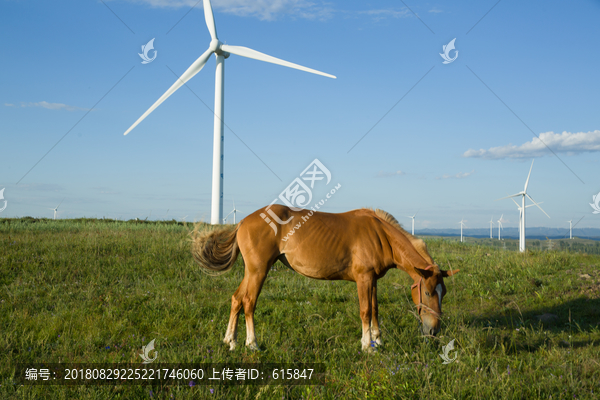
{"points": [[500, 226], [222, 51], [461, 229], [56, 209], [491, 225], [413, 222], [524, 194], [234, 211], [570, 229]]}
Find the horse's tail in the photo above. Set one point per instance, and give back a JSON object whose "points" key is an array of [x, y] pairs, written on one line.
{"points": [[215, 250]]}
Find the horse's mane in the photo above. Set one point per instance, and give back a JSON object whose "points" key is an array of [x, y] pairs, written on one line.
{"points": [[417, 243]]}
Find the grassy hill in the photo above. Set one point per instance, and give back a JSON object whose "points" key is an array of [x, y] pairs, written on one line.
{"points": [[525, 326]]}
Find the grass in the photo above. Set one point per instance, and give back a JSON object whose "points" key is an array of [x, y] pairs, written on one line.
{"points": [[95, 291]]}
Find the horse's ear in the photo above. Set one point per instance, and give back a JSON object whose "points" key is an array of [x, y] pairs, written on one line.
{"points": [[446, 274]]}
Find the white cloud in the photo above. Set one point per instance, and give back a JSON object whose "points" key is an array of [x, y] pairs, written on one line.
{"points": [[381, 14], [435, 10], [382, 174], [263, 9], [566, 142], [460, 175], [49, 106]]}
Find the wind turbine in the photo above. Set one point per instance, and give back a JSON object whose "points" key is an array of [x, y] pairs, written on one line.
{"points": [[234, 211], [461, 229], [222, 51], [413, 222], [570, 229], [491, 225], [521, 210], [56, 209], [524, 194], [500, 226]]}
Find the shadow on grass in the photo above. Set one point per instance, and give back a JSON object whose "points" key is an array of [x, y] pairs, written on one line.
{"points": [[574, 317]]}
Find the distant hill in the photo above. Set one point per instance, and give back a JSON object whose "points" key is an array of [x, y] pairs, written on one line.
{"points": [[513, 233]]}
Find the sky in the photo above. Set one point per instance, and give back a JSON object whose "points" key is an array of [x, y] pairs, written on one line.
{"points": [[397, 130]]}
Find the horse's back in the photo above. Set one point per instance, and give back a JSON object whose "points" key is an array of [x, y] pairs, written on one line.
{"points": [[316, 244]]}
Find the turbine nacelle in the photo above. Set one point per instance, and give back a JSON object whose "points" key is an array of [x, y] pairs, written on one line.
{"points": [[215, 46]]}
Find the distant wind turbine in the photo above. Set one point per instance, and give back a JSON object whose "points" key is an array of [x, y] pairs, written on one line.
{"points": [[500, 226], [461, 229], [573, 226], [222, 51], [56, 209], [524, 194], [491, 225], [521, 210], [413, 222], [234, 211], [570, 228]]}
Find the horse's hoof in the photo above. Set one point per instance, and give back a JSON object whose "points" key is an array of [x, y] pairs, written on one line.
{"points": [[232, 345], [254, 347]]}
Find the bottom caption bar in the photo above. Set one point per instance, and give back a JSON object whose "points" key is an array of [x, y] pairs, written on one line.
{"points": [[169, 374]]}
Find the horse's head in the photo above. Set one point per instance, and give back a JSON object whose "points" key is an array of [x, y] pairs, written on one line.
{"points": [[427, 293]]}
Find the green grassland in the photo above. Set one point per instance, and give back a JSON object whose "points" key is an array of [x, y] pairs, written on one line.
{"points": [[95, 291]]}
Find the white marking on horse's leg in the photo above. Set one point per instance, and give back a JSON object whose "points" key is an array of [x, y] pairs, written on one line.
{"points": [[438, 289], [366, 338], [376, 335], [231, 334]]}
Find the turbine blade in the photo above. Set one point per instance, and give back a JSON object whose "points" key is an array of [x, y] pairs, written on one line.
{"points": [[210, 19], [186, 76], [249, 53], [527, 181], [60, 203], [514, 195], [515, 203], [530, 198]]}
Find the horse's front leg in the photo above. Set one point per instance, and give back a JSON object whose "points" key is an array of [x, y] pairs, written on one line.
{"points": [[364, 286], [375, 333]]}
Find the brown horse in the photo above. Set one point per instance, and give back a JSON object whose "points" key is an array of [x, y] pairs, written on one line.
{"points": [[358, 246]]}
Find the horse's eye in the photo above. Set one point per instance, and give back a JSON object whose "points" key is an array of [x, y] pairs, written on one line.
{"points": [[427, 293]]}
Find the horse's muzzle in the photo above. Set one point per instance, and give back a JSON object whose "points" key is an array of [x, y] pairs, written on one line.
{"points": [[426, 330]]}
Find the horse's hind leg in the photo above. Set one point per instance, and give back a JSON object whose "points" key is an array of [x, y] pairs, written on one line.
{"points": [[236, 307], [375, 333], [255, 276]]}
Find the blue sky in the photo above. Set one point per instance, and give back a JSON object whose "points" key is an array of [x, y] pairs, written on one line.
{"points": [[453, 137]]}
